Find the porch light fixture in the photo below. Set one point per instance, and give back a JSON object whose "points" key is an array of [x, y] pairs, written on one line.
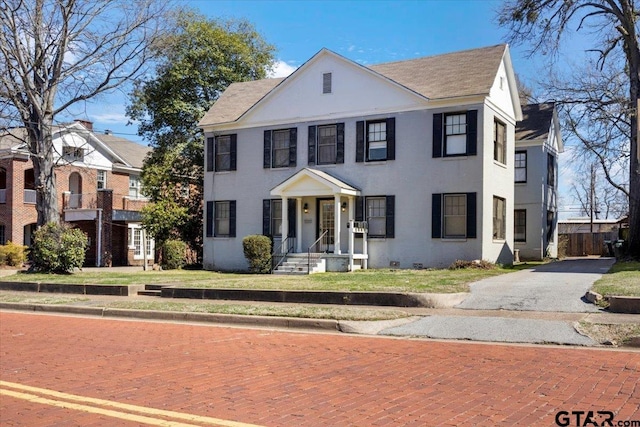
{"points": [[344, 206], [306, 208]]}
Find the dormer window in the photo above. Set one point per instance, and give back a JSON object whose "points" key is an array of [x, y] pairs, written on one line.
{"points": [[72, 154], [326, 83]]}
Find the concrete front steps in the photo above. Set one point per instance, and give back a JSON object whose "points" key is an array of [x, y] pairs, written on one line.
{"points": [[152, 290], [299, 264]]}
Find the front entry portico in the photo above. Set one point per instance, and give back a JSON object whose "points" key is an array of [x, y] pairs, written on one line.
{"points": [[323, 203]]}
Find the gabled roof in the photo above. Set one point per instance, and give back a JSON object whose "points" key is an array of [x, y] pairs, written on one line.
{"points": [[325, 184], [536, 122], [133, 153], [452, 75]]}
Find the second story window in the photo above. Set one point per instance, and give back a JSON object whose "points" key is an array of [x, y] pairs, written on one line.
{"points": [[376, 140], [101, 180], [455, 134], [135, 187], [72, 154], [499, 142], [280, 148], [520, 166], [326, 144], [225, 153], [551, 170]]}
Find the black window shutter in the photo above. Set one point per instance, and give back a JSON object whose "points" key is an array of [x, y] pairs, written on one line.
{"points": [[312, 145], [472, 132], [390, 216], [436, 216], [359, 208], [232, 218], [437, 135], [391, 138], [209, 219], [266, 217], [471, 216], [293, 146], [340, 143], [210, 155], [291, 212], [234, 150], [266, 162], [360, 141]]}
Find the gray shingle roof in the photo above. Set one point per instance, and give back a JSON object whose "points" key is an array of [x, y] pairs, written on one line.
{"points": [[470, 72], [536, 122], [131, 152]]}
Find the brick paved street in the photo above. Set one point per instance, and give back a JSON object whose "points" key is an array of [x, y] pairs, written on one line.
{"points": [[273, 378]]}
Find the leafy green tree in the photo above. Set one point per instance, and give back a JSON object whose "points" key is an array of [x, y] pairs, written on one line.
{"points": [[163, 219], [613, 26], [197, 64], [58, 248]]}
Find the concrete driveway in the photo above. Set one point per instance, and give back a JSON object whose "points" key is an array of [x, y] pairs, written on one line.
{"points": [[558, 286]]}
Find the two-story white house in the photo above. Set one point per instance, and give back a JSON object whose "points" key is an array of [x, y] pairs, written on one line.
{"points": [[538, 144], [421, 150]]}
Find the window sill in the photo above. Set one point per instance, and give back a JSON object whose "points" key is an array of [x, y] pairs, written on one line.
{"points": [[222, 237], [499, 164], [222, 172], [453, 239], [499, 240], [455, 157], [521, 183], [375, 162]]}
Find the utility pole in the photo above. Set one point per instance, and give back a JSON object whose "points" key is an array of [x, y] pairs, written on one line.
{"points": [[592, 193]]}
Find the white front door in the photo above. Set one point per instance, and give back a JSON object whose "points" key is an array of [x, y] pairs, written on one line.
{"points": [[327, 221]]}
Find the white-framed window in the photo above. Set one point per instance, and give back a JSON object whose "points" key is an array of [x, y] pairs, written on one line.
{"points": [[499, 218], [276, 217], [455, 134], [377, 140], [455, 216], [327, 144], [101, 179], [520, 225], [72, 154], [137, 239], [499, 142], [223, 153], [520, 166], [222, 219], [376, 216], [280, 148], [135, 187]]}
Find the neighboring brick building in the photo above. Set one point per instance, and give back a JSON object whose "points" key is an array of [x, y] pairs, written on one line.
{"points": [[98, 183]]}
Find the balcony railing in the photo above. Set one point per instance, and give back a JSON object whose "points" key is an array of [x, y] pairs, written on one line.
{"points": [[91, 201], [30, 197], [79, 201], [3, 195]]}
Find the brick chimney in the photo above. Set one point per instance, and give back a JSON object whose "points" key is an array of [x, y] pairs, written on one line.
{"points": [[86, 123]]}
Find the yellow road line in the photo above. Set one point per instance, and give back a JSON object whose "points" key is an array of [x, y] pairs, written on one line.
{"points": [[111, 404]]}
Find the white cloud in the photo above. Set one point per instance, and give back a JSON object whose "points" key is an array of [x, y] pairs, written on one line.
{"points": [[110, 117], [282, 69]]}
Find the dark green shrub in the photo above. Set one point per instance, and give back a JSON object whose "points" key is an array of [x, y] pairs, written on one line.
{"points": [[257, 250], [12, 255], [58, 248], [173, 254]]}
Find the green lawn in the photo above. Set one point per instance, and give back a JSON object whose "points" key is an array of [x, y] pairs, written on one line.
{"points": [[622, 280], [437, 281]]}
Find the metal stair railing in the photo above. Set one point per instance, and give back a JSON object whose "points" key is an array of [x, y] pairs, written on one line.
{"points": [[279, 255], [317, 244]]}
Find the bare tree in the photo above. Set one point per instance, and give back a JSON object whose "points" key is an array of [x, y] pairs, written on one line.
{"points": [[613, 25], [58, 53], [597, 198]]}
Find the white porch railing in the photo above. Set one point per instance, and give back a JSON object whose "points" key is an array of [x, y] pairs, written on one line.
{"points": [[30, 197]]}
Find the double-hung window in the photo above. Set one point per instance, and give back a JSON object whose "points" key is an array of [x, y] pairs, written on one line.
{"points": [[280, 148], [375, 140], [220, 219], [221, 153], [499, 142], [520, 166], [453, 215], [551, 170], [499, 218], [326, 144], [455, 134], [551, 219], [72, 154], [135, 187], [520, 225], [276, 218], [379, 212], [101, 179]]}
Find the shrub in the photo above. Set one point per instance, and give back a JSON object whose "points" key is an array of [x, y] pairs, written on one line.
{"points": [[58, 248], [12, 255], [479, 264], [173, 254], [257, 250]]}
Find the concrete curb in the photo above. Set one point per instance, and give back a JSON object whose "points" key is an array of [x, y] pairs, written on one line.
{"points": [[62, 288], [231, 319]]}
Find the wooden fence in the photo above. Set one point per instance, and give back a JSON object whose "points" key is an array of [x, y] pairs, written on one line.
{"points": [[582, 244]]}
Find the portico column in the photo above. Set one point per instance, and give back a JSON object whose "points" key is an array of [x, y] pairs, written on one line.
{"points": [[299, 225], [285, 219], [337, 225]]}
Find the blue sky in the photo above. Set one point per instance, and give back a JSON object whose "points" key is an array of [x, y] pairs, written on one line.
{"points": [[368, 32]]}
